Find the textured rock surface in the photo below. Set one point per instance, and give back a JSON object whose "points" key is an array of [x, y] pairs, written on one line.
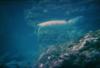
{"points": [[82, 54]]}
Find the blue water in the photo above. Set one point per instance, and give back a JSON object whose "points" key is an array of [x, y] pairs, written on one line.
{"points": [[18, 20]]}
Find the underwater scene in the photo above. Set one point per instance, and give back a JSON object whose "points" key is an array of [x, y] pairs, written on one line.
{"points": [[50, 34]]}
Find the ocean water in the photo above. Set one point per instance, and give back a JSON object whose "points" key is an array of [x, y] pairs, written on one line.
{"points": [[22, 40]]}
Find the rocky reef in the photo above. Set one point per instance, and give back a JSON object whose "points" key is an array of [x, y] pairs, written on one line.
{"points": [[82, 54]]}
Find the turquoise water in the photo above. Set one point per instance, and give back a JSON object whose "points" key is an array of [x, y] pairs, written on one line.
{"points": [[20, 42]]}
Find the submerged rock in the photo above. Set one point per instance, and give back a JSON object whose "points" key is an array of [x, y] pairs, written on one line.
{"points": [[82, 54]]}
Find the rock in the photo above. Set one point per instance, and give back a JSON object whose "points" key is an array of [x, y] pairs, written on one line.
{"points": [[82, 54]]}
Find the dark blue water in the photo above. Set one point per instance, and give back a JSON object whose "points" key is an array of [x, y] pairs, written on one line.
{"points": [[18, 20]]}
